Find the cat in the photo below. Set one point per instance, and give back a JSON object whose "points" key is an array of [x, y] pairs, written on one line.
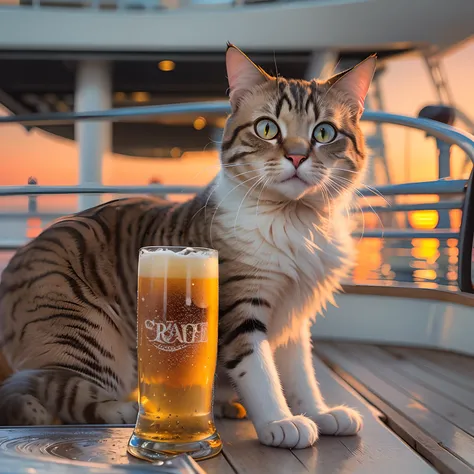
{"points": [[292, 155]]}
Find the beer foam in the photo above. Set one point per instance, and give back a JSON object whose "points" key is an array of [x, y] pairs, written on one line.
{"points": [[194, 263]]}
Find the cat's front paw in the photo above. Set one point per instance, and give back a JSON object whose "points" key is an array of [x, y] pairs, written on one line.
{"points": [[293, 432], [339, 421]]}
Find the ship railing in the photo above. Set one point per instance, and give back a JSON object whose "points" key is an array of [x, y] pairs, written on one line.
{"points": [[128, 5], [451, 192]]}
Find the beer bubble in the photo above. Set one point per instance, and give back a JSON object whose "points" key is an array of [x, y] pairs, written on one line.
{"points": [[143, 299]]}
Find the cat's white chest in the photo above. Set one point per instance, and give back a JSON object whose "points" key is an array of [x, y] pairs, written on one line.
{"points": [[304, 257]]}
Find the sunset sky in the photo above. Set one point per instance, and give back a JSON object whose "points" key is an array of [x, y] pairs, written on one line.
{"points": [[406, 89]]}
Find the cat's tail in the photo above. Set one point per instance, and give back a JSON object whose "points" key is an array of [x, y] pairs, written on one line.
{"points": [[44, 396]]}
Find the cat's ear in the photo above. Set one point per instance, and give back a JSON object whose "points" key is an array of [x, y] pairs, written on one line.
{"points": [[242, 74], [355, 82]]}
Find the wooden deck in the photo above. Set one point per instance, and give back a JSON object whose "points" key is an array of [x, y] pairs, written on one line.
{"points": [[376, 450], [426, 396]]}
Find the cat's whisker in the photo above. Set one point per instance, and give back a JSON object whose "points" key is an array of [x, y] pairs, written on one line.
{"points": [[216, 165], [268, 180], [249, 171], [245, 172], [223, 199], [205, 205], [358, 193], [366, 186], [336, 185], [232, 165], [326, 197], [211, 142], [330, 185], [214, 189], [246, 194], [219, 165], [376, 193]]}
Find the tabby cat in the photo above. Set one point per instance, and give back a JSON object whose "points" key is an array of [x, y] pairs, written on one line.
{"points": [[292, 155]]}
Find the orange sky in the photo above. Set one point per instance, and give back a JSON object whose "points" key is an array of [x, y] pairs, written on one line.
{"points": [[406, 89]]}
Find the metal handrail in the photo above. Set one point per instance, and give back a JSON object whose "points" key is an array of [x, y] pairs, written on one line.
{"points": [[30, 190], [451, 187], [424, 187], [406, 234], [441, 186], [439, 130], [120, 5], [427, 206]]}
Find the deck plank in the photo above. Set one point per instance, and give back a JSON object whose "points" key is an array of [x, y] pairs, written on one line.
{"points": [[246, 455], [385, 365], [217, 465], [462, 364], [405, 364], [448, 448], [375, 449], [438, 364]]}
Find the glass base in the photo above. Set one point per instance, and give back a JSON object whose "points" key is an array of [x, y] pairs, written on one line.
{"points": [[159, 451]]}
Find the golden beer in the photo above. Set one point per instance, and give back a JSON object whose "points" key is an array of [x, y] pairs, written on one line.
{"points": [[177, 352]]}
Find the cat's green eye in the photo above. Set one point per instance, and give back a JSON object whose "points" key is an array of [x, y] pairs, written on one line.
{"points": [[266, 129], [324, 133]]}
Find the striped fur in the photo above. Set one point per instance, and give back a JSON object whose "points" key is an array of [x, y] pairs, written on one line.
{"points": [[68, 298]]}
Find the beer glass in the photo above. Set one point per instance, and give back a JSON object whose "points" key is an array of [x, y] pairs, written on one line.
{"points": [[177, 352]]}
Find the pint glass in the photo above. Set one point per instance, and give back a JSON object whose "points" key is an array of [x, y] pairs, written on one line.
{"points": [[177, 352]]}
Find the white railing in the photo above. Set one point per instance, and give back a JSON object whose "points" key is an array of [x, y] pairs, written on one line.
{"points": [[452, 188], [126, 5]]}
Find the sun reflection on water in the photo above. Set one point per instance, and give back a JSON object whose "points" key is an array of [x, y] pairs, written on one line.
{"points": [[427, 262]]}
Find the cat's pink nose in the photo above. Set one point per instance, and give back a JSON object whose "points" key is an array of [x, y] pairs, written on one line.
{"points": [[296, 159]]}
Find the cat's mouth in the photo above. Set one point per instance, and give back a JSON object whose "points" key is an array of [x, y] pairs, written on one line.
{"points": [[295, 179]]}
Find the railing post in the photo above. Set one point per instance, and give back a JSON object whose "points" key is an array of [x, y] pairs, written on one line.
{"points": [[443, 114], [33, 224], [93, 92], [444, 171], [32, 200]]}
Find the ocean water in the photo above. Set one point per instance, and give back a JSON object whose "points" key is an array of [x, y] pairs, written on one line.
{"points": [[427, 262]]}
